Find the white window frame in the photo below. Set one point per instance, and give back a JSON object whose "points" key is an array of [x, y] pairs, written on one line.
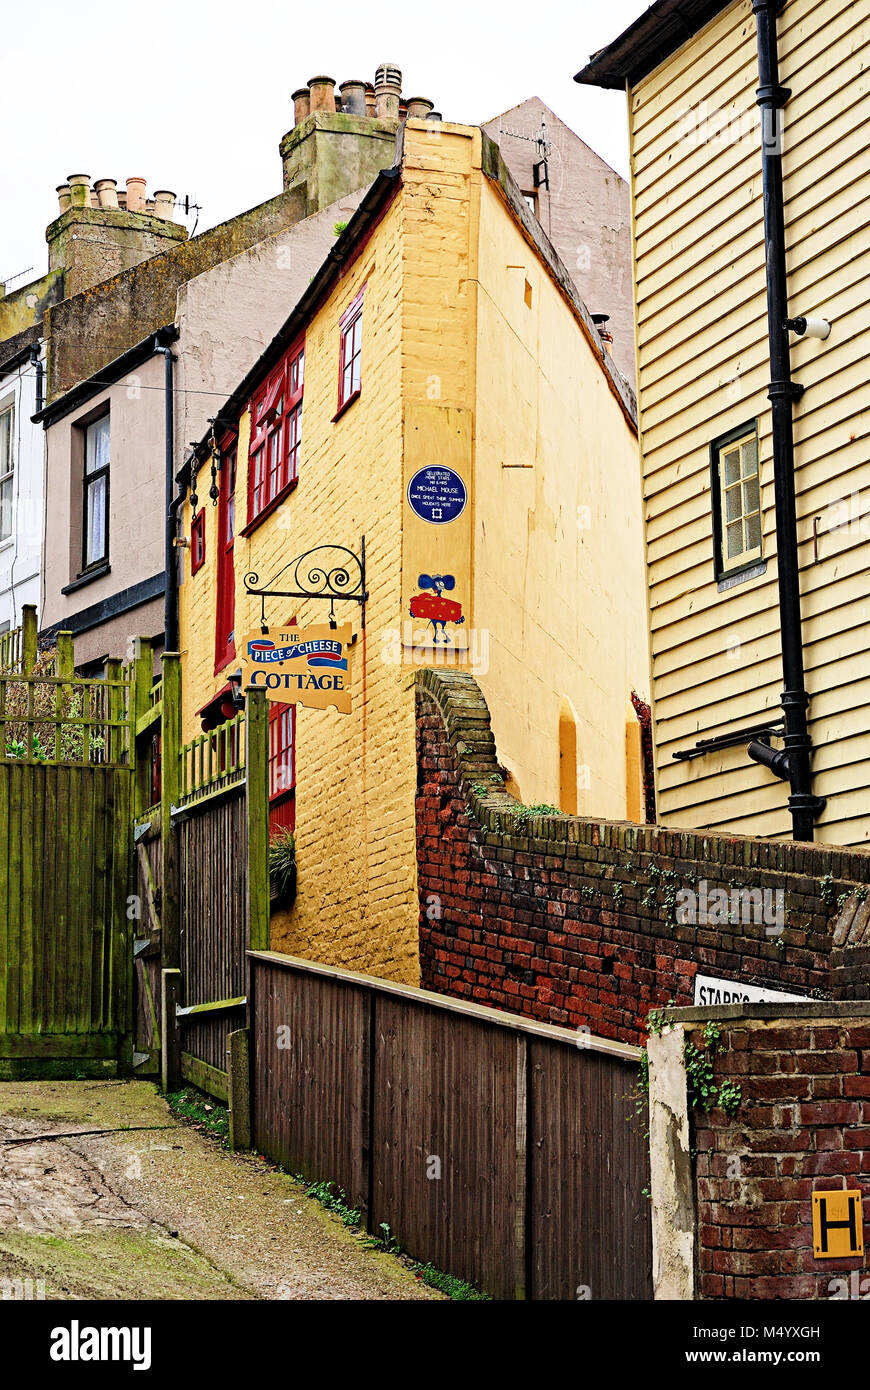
{"points": [[7, 472]]}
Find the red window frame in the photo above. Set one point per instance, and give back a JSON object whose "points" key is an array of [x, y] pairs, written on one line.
{"points": [[225, 607], [276, 433], [197, 542], [282, 766], [350, 354]]}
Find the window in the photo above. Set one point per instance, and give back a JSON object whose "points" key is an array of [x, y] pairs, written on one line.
{"points": [[736, 501], [96, 501], [197, 542], [282, 766], [7, 468], [350, 354], [225, 637], [276, 431]]}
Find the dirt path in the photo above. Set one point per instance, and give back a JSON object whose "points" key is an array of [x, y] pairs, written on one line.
{"points": [[162, 1212]]}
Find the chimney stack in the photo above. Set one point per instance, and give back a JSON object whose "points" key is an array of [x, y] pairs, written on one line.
{"points": [[164, 204], [135, 195], [353, 97], [388, 90], [107, 193], [419, 108], [79, 190], [322, 91], [301, 104]]}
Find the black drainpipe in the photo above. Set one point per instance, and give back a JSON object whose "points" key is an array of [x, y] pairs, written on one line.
{"points": [[772, 97], [170, 620], [36, 361]]}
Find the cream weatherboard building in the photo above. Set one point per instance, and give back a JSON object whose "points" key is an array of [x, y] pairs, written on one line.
{"points": [[721, 307]]}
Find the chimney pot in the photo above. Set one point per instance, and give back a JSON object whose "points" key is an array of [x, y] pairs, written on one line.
{"points": [[370, 99], [79, 189], [353, 96], [322, 91], [419, 108], [301, 104], [136, 195], [107, 193], [434, 116], [63, 196], [164, 204], [388, 90]]}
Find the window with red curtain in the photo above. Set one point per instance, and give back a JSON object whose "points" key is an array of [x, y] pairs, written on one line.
{"points": [[225, 637], [197, 542], [276, 432], [282, 766], [350, 353]]}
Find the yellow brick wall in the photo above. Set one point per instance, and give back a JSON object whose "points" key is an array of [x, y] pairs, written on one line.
{"points": [[355, 773], [558, 543]]}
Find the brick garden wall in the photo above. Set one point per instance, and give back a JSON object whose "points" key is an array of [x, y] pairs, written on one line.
{"points": [[571, 921], [802, 1125]]}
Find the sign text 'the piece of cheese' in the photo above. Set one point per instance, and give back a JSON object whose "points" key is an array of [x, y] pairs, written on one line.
{"points": [[300, 665]]}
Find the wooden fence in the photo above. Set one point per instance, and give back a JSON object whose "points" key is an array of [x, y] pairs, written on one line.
{"points": [[65, 803], [506, 1152]]}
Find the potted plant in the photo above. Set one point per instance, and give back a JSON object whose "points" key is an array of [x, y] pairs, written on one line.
{"points": [[282, 869]]}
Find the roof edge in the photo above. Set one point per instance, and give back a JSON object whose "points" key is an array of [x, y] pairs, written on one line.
{"points": [[648, 42], [85, 390], [357, 229]]}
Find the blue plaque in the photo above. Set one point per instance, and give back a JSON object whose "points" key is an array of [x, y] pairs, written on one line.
{"points": [[437, 495]]}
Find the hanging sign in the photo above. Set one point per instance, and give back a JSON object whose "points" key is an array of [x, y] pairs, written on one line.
{"points": [[300, 665]]}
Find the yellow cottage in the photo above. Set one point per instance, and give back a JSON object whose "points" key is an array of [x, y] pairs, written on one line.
{"points": [[440, 407], [750, 180]]}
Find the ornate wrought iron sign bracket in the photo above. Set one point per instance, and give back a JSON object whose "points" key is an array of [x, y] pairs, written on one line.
{"points": [[327, 571]]}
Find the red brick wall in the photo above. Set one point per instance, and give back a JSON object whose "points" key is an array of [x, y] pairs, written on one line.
{"points": [[571, 920], [803, 1124]]}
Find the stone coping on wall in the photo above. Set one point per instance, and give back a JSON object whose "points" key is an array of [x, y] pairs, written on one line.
{"points": [[773, 1013]]}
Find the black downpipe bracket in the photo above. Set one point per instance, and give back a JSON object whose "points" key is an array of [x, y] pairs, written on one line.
{"points": [[771, 98], [170, 620]]}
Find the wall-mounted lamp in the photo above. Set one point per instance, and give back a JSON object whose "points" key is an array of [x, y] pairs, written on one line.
{"points": [[810, 328], [236, 693]]}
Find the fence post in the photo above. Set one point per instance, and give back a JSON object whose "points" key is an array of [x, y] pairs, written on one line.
{"points": [[64, 666], [169, 763], [170, 1043], [239, 1089], [28, 637], [114, 709], [140, 702], [257, 810]]}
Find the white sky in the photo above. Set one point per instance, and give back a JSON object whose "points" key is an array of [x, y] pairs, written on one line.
{"points": [[194, 95]]}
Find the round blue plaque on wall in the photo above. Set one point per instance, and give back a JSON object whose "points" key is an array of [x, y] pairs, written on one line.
{"points": [[437, 495]]}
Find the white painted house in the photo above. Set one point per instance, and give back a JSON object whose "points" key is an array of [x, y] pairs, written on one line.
{"points": [[22, 451]]}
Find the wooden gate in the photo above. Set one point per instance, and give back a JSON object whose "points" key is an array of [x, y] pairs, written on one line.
{"points": [[200, 906], [66, 776]]}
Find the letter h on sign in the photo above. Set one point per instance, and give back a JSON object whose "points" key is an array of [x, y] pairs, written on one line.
{"points": [[838, 1227]]}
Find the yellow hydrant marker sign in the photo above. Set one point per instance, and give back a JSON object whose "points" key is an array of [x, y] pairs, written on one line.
{"points": [[838, 1225], [300, 665]]}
